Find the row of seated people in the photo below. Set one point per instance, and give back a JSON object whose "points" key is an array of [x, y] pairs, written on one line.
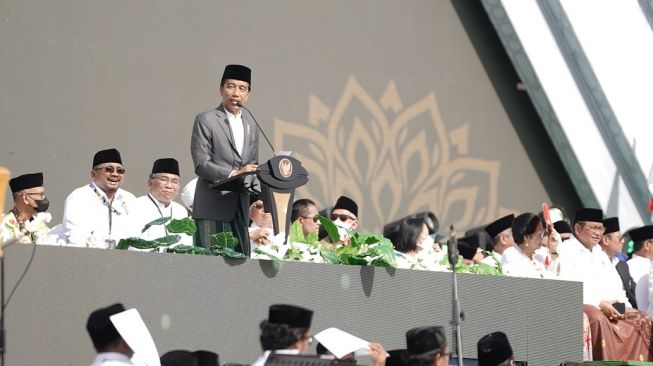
{"points": [[287, 332]]}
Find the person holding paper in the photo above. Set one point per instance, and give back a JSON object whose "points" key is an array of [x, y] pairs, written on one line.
{"points": [[112, 350], [224, 143], [286, 331]]}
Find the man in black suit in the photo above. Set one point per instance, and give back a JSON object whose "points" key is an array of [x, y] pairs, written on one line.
{"points": [[612, 243], [224, 144]]}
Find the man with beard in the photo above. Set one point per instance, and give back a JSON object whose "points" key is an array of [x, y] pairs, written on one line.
{"points": [[29, 199], [97, 214], [619, 332]]}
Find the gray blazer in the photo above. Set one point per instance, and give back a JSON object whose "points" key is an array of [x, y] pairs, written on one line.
{"points": [[215, 157]]}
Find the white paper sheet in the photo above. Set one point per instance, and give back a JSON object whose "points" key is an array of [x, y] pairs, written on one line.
{"points": [[340, 343], [133, 330]]}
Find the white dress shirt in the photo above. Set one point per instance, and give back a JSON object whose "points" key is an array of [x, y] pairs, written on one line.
{"points": [[236, 124], [639, 268], [516, 264], [601, 281], [147, 208], [88, 220], [490, 261], [111, 359]]}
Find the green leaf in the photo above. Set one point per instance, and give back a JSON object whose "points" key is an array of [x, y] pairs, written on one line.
{"points": [[159, 221], [328, 255], [137, 243], [185, 225], [330, 227], [184, 249], [226, 252], [224, 240], [224, 244], [274, 258], [312, 238], [167, 240]]}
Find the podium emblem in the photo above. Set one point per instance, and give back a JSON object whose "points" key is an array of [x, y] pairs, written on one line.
{"points": [[285, 167]]}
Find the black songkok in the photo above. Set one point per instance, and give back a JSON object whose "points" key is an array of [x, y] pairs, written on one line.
{"points": [[106, 156], [237, 72], [500, 225], [346, 203], [26, 181], [293, 316], [166, 165]]}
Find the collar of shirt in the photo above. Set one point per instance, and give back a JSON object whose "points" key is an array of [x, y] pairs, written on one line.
{"points": [[159, 204], [639, 257], [233, 117]]}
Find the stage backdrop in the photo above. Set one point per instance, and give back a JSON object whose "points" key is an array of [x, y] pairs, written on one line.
{"points": [[386, 102], [196, 302]]}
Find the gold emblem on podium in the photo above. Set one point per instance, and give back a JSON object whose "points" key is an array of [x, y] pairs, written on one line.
{"points": [[285, 167]]}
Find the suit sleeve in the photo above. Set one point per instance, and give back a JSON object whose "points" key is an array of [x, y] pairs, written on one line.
{"points": [[201, 148]]}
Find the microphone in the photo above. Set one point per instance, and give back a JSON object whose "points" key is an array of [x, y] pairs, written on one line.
{"points": [[452, 248], [259, 127]]}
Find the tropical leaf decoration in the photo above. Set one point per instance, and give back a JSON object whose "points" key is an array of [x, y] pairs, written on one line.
{"points": [[159, 221], [476, 268], [137, 243], [330, 228], [224, 244], [182, 226], [185, 249]]}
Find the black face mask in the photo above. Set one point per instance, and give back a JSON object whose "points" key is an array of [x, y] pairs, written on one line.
{"points": [[42, 205]]}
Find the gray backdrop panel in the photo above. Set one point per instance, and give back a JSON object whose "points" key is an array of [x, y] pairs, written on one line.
{"points": [[79, 76], [194, 302]]}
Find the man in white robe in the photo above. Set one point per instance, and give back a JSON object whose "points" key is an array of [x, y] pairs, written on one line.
{"points": [[98, 214], [163, 187]]}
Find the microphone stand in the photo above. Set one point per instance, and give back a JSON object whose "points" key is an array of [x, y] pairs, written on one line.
{"points": [[457, 313], [274, 153]]}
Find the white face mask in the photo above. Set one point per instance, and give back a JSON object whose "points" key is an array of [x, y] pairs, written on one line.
{"points": [[342, 224], [427, 245]]}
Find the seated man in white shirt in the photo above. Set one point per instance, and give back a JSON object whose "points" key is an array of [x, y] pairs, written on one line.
{"points": [[97, 214], [286, 331], [501, 233], [618, 331], [110, 346], [163, 187], [640, 263]]}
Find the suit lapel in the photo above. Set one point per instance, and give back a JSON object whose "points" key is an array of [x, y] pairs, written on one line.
{"points": [[226, 127]]}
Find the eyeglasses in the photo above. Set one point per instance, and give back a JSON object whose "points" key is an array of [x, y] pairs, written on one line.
{"points": [[314, 218], [110, 170], [161, 179], [258, 205], [40, 195], [335, 217], [596, 229]]}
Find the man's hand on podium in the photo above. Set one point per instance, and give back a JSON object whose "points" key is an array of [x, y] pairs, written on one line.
{"points": [[246, 169]]}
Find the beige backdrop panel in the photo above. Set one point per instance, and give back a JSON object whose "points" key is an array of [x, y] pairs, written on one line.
{"points": [[384, 101]]}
